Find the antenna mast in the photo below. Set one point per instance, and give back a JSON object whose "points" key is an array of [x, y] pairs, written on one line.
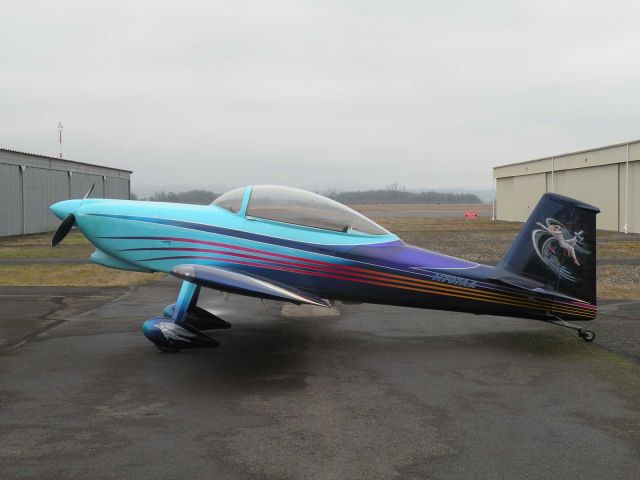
{"points": [[60, 127]]}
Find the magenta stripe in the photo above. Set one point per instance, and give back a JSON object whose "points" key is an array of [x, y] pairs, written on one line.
{"points": [[319, 264]]}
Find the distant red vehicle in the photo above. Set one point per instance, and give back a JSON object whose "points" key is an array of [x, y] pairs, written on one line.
{"points": [[471, 214]]}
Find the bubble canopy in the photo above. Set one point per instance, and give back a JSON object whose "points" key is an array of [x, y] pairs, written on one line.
{"points": [[299, 207]]}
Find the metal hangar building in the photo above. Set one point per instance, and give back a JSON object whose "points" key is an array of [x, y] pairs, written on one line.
{"points": [[29, 183], [607, 177]]}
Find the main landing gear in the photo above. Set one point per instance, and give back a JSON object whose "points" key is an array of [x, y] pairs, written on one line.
{"points": [[182, 323], [586, 335]]}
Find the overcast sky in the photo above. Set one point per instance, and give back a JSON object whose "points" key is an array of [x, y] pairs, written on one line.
{"points": [[317, 94]]}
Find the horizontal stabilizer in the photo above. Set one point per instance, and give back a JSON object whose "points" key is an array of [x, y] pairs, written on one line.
{"points": [[244, 284], [528, 285]]}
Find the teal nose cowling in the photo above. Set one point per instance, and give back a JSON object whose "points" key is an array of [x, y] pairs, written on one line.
{"points": [[64, 208]]}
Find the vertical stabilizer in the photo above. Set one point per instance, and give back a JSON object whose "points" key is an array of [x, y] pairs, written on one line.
{"points": [[557, 246]]}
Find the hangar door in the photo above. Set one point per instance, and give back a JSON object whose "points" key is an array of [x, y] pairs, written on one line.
{"points": [[504, 199], [516, 197], [527, 191], [595, 185]]}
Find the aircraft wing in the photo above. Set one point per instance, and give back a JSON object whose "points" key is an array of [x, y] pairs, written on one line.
{"points": [[244, 284]]}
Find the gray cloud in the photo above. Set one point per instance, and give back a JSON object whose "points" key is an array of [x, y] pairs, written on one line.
{"points": [[317, 94]]}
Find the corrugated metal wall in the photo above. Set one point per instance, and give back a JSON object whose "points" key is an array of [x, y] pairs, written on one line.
{"points": [[42, 188], [594, 176], [116, 188], [10, 200], [29, 184]]}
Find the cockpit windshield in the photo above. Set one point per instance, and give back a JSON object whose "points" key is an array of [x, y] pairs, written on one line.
{"points": [[299, 207], [232, 200]]}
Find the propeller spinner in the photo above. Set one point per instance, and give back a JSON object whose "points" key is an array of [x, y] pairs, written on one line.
{"points": [[67, 223]]}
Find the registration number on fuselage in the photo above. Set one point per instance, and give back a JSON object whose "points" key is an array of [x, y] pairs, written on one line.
{"points": [[453, 280]]}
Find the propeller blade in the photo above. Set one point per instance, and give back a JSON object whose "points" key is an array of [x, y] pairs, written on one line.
{"points": [[63, 229], [90, 190]]}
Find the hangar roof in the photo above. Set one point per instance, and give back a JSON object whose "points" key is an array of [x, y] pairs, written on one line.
{"points": [[54, 161], [610, 154]]}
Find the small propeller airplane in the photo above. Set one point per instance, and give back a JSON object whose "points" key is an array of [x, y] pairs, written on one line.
{"points": [[290, 245]]}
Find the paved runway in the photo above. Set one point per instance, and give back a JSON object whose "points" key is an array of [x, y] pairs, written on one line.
{"points": [[368, 392]]}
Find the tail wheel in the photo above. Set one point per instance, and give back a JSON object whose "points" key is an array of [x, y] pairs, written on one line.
{"points": [[587, 335]]}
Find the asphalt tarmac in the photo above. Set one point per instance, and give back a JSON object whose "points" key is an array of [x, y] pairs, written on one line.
{"points": [[366, 391]]}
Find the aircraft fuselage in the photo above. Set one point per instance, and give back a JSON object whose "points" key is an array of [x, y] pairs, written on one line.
{"points": [[348, 266]]}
